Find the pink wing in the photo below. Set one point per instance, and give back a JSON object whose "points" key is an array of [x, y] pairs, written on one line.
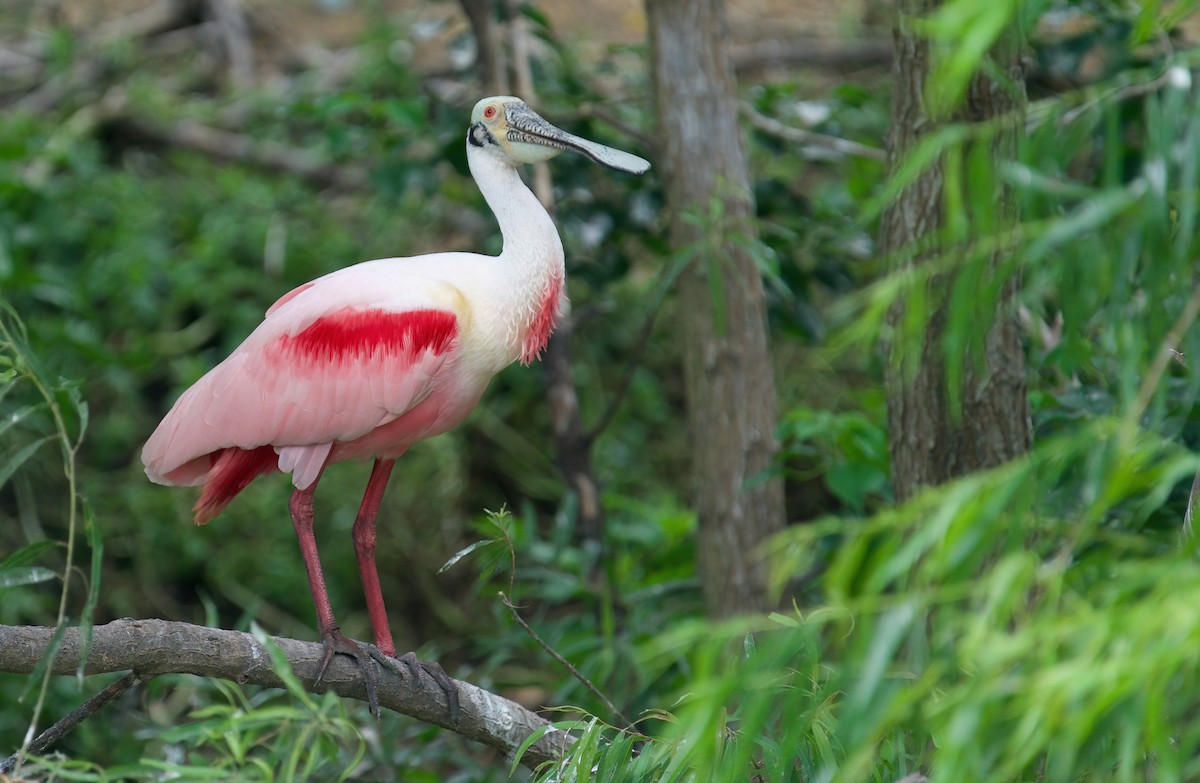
{"points": [[325, 366]]}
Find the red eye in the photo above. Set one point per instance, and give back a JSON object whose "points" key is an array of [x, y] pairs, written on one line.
{"points": [[489, 112]]}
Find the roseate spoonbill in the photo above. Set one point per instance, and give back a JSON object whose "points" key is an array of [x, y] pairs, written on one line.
{"points": [[370, 359]]}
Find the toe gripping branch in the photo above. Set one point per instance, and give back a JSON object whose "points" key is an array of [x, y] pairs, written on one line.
{"points": [[431, 669], [408, 664]]}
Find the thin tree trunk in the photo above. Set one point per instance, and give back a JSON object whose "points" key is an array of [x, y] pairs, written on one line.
{"points": [[933, 439], [572, 444], [489, 57], [727, 366]]}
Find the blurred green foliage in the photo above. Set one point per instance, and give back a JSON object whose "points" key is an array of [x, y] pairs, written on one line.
{"points": [[1032, 622]]}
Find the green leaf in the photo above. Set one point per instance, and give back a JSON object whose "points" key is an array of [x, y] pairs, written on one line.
{"points": [[460, 554], [972, 27], [537, 734], [893, 626], [916, 161], [25, 575], [188, 771], [28, 554], [18, 459], [1101, 209], [853, 482], [18, 416], [283, 668]]}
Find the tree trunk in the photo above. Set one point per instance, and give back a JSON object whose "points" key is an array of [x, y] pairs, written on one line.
{"points": [[727, 366], [489, 57], [933, 439]]}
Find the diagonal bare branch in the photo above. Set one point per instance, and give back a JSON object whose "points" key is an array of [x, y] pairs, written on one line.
{"points": [[67, 723], [810, 139]]}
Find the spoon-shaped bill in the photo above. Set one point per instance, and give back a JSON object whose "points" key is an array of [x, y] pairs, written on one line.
{"points": [[526, 125], [606, 156]]}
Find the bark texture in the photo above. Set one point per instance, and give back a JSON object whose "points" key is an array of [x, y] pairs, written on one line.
{"points": [[152, 647], [932, 440], [728, 374]]}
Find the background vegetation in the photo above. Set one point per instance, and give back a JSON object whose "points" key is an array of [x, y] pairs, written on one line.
{"points": [[1036, 621]]}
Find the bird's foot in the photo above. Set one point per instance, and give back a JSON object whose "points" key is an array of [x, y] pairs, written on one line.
{"points": [[336, 642], [408, 663]]}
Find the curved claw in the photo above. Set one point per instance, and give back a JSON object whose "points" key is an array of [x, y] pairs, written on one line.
{"points": [[416, 668], [334, 642]]}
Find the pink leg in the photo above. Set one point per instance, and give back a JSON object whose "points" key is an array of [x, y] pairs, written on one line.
{"points": [[364, 547], [301, 506]]}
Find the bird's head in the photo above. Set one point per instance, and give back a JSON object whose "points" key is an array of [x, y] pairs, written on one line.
{"points": [[507, 126]]}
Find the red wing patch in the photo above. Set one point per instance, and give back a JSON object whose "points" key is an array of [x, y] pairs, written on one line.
{"points": [[356, 334]]}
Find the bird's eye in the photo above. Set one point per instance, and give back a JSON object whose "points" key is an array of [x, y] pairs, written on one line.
{"points": [[489, 112]]}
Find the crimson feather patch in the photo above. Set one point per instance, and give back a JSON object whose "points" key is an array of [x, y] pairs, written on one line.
{"points": [[356, 334]]}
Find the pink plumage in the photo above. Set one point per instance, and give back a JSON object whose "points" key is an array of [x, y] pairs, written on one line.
{"points": [[326, 368], [323, 386], [371, 359]]}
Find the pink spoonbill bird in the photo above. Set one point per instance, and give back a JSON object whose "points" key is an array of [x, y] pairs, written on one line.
{"points": [[370, 359]]}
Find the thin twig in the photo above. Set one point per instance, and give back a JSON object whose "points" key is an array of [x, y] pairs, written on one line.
{"points": [[1165, 354], [67, 723], [14, 337], [590, 110], [1116, 95], [150, 20], [265, 154], [811, 52], [158, 17], [809, 138], [46, 93], [566, 664], [54, 90]]}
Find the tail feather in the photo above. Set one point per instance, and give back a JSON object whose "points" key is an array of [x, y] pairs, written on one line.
{"points": [[232, 471]]}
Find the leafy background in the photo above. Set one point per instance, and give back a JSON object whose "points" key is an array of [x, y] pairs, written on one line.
{"points": [[1035, 622]]}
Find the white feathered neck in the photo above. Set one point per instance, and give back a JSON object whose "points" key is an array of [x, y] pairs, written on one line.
{"points": [[527, 306]]}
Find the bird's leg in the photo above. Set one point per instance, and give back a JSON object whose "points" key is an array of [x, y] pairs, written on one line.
{"points": [[334, 641], [364, 547]]}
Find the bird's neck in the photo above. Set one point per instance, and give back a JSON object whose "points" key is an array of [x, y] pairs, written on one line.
{"points": [[532, 253], [530, 237]]}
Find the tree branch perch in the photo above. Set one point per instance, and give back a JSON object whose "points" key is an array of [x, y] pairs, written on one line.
{"points": [[152, 647]]}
